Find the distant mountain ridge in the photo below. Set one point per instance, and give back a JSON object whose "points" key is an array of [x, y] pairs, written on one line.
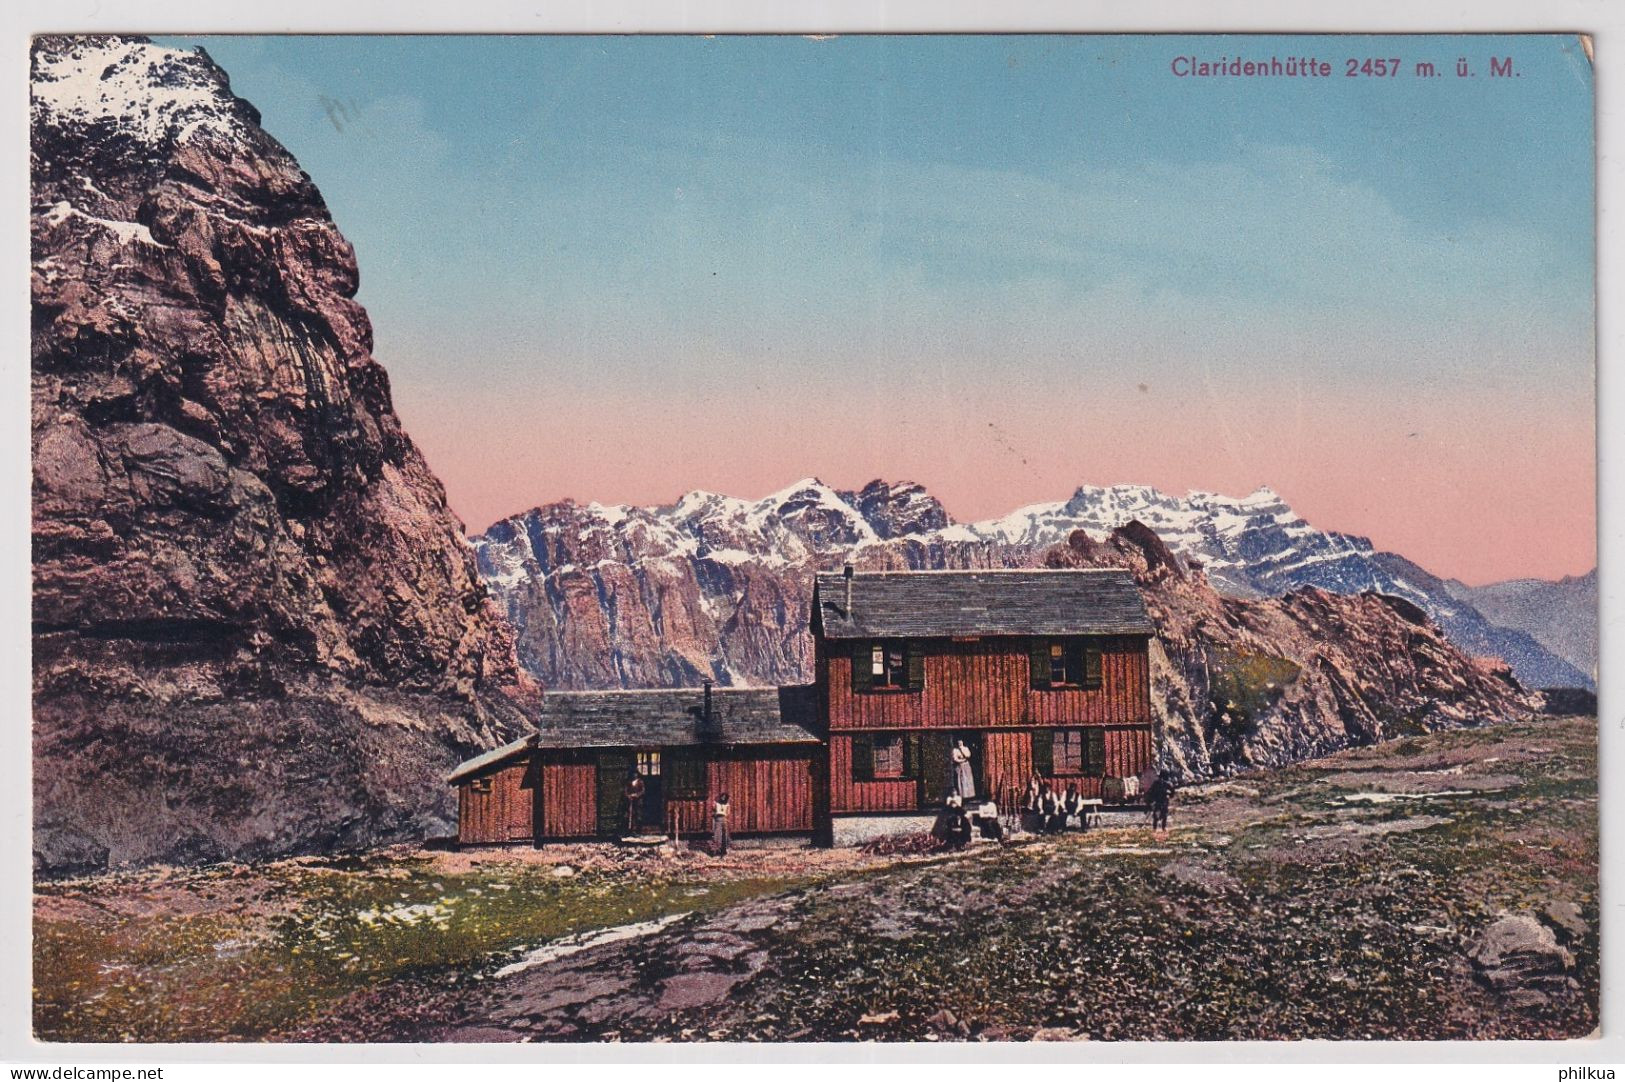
{"points": [[699, 588], [1561, 616]]}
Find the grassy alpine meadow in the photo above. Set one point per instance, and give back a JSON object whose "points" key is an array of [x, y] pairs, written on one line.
{"points": [[1349, 897]]}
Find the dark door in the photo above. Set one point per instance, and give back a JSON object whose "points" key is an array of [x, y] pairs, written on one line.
{"points": [[613, 768], [936, 768]]}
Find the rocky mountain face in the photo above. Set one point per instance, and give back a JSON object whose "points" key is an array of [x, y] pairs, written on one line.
{"points": [[1561, 615], [258, 627], [1240, 683], [718, 587]]}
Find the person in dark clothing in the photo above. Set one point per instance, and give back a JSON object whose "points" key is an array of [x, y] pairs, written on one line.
{"points": [[1051, 808], [720, 836], [1159, 796], [958, 828], [633, 791], [1072, 804]]}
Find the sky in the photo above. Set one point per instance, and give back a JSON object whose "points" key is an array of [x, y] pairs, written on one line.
{"points": [[622, 268]]}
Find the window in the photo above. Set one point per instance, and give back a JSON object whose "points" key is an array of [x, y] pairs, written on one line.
{"points": [[481, 785], [1065, 663], [888, 755], [888, 665], [685, 777], [649, 764], [885, 756], [1070, 751]]}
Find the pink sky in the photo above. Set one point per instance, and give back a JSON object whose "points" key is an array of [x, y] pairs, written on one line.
{"points": [[1468, 489]]}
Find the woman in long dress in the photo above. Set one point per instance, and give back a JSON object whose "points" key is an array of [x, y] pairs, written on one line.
{"points": [[964, 781]]}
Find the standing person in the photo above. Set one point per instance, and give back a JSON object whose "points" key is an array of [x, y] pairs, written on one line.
{"points": [[719, 826], [964, 780], [633, 791], [1159, 796]]}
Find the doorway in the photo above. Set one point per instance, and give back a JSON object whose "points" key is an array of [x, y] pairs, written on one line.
{"points": [[937, 764]]}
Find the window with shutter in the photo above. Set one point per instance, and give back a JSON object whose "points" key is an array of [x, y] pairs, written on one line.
{"points": [[1091, 666], [1094, 752], [915, 652], [863, 757], [1043, 752], [1038, 657], [862, 669]]}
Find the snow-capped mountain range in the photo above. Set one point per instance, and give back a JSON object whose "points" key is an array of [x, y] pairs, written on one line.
{"points": [[653, 627]]}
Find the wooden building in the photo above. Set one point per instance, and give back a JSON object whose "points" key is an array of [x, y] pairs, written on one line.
{"points": [[1036, 671], [1042, 672], [567, 780]]}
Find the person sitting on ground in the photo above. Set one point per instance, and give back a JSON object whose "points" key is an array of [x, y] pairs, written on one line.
{"points": [[1159, 797], [958, 828]]}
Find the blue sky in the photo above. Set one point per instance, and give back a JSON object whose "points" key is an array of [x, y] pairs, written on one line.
{"points": [[568, 220]]}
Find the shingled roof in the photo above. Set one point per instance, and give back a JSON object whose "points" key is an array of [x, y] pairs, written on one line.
{"points": [[672, 716], [927, 604]]}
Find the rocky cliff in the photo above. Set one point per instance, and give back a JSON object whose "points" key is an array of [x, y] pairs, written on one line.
{"points": [[1240, 683], [258, 626]]}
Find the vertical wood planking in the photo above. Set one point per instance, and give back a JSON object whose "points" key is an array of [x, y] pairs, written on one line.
{"points": [[988, 683], [502, 814], [569, 798], [846, 795]]}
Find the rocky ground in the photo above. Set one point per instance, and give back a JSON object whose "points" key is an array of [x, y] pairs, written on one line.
{"points": [[1443, 886]]}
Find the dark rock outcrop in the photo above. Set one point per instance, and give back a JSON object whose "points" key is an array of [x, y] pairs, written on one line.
{"points": [[258, 627]]}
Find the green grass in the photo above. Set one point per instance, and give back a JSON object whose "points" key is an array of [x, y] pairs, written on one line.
{"points": [[192, 978]]}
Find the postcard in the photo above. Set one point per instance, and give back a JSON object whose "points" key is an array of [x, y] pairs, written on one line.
{"points": [[813, 538]]}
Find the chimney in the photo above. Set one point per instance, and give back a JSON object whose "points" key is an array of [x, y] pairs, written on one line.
{"points": [[847, 571], [706, 726]]}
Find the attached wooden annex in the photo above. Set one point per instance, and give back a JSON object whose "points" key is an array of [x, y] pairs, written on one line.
{"points": [[567, 781]]}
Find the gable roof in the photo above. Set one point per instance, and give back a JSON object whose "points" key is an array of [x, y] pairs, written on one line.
{"points": [[925, 604], [670, 717]]}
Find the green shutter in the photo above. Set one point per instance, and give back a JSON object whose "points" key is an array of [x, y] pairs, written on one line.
{"points": [[863, 677], [1091, 665], [1038, 653], [1044, 752], [915, 653], [1094, 752], [911, 755], [863, 757]]}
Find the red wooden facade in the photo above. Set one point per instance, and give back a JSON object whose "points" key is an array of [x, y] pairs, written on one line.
{"points": [[983, 690], [499, 805], [552, 794]]}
